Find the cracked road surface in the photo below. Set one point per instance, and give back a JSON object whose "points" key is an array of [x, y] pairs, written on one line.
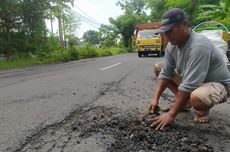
{"points": [[91, 105]]}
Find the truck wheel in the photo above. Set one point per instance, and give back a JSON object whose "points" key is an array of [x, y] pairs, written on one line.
{"points": [[139, 54], [146, 54], [162, 51], [159, 54]]}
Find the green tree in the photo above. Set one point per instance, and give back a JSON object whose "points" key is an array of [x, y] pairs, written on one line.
{"points": [[157, 9], [10, 18], [191, 7], [108, 35], [34, 27], [134, 13], [59, 7], [22, 24], [91, 36], [70, 26], [134, 6], [219, 12]]}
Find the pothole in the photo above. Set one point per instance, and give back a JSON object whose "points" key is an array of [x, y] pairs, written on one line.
{"points": [[113, 130]]}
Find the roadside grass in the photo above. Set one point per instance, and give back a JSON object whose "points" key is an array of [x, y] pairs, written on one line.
{"points": [[70, 54]]}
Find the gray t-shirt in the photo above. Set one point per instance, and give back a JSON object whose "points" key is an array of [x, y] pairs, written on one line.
{"points": [[196, 62]]}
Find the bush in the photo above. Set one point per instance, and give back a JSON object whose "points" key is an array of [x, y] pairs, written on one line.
{"points": [[88, 52], [104, 52], [53, 43], [58, 55], [74, 54], [118, 50]]}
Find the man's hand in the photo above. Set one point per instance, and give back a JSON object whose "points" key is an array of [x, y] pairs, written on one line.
{"points": [[161, 121], [153, 108]]}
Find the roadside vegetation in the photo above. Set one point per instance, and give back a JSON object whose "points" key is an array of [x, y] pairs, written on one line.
{"points": [[25, 39], [59, 55]]}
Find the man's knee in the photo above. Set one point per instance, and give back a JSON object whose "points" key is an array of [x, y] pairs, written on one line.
{"points": [[197, 103], [156, 71], [157, 68], [208, 94]]}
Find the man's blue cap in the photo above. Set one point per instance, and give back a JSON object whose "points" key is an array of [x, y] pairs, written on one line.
{"points": [[171, 17]]}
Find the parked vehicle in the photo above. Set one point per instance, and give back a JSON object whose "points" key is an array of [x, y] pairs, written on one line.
{"points": [[217, 34], [149, 39], [228, 40], [228, 51]]}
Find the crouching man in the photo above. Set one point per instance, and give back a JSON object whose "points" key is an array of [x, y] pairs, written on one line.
{"points": [[193, 70]]}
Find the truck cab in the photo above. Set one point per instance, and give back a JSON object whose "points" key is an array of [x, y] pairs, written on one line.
{"points": [[149, 39]]}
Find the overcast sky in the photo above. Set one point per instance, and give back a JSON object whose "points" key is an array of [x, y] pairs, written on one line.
{"points": [[92, 13], [98, 11]]}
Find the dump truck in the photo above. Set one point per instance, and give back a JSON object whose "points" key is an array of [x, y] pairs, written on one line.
{"points": [[149, 39]]}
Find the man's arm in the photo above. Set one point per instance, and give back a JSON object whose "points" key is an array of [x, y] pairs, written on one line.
{"points": [[161, 85], [181, 98], [164, 77], [161, 121]]}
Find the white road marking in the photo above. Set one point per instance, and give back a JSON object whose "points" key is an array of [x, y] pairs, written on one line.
{"points": [[110, 66]]}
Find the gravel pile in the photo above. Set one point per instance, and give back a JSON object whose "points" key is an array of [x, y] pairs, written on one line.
{"points": [[126, 133]]}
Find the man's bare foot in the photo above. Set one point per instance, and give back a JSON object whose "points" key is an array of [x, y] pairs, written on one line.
{"points": [[201, 116]]}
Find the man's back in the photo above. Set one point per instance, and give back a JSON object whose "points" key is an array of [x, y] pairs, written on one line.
{"points": [[196, 62]]}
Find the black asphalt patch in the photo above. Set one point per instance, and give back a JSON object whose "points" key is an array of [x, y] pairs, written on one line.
{"points": [[116, 131]]}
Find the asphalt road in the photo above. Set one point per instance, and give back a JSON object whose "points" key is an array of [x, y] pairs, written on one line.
{"points": [[68, 107], [36, 97]]}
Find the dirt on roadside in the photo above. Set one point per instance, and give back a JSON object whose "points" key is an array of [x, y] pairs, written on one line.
{"points": [[109, 129]]}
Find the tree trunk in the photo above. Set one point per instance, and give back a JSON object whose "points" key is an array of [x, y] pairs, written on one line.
{"points": [[8, 43], [126, 41], [52, 30], [60, 31], [130, 43], [64, 34]]}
